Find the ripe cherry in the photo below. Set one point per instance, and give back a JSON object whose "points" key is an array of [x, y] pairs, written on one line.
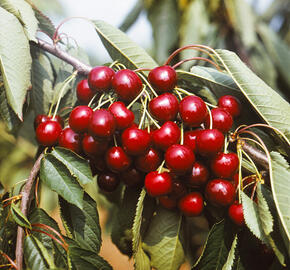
{"points": [[225, 165], [79, 118], [209, 142], [168, 202], [41, 118], [123, 116], [231, 104], [163, 79], [221, 120], [220, 192], [132, 177], [70, 140], [191, 205], [167, 135], [190, 139], [108, 181], [84, 92], [92, 146], [179, 158], [178, 189], [149, 161], [158, 184], [192, 111], [100, 78], [198, 176], [135, 141], [102, 124], [236, 214], [164, 107], [47, 133], [127, 84], [117, 160]]}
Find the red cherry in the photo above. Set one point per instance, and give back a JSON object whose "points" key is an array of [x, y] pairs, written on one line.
{"points": [[158, 184], [41, 118], [149, 161], [179, 158], [231, 104], [190, 139], [221, 120], [236, 214], [102, 124], [132, 178], [108, 181], [209, 142], [123, 116], [167, 135], [47, 133], [92, 146], [198, 176], [100, 78], [236, 180], [178, 189], [220, 192], [79, 118], [117, 160], [84, 92], [225, 165], [135, 141], [70, 140], [163, 79], [127, 84], [191, 204], [164, 107], [192, 111], [168, 202]]}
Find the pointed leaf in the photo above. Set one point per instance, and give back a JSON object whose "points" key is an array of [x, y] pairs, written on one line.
{"points": [[231, 256], [19, 218]]}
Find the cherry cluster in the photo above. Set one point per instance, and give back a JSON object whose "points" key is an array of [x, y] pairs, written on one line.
{"points": [[177, 154]]}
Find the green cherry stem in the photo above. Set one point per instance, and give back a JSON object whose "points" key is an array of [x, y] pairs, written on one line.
{"points": [[148, 84], [240, 185], [210, 117], [144, 112], [151, 118], [181, 134], [113, 64], [92, 100], [161, 166], [253, 164], [196, 58], [226, 143], [103, 103], [136, 98]]}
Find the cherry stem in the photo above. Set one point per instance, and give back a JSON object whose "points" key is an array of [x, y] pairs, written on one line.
{"points": [[144, 103], [115, 140], [151, 118], [136, 98], [253, 164], [197, 58], [120, 65], [103, 103], [92, 100], [142, 69], [253, 191], [113, 64], [240, 185], [178, 93], [36, 192], [13, 198], [148, 84], [181, 134], [51, 236], [210, 117], [226, 143], [12, 263], [161, 166]]}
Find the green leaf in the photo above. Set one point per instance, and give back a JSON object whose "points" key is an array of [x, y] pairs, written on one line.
{"points": [[83, 224], [231, 256], [58, 178], [164, 240], [19, 218], [15, 60], [121, 48]]}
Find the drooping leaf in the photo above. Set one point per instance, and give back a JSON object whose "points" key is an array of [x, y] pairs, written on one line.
{"points": [[19, 218], [231, 256]]}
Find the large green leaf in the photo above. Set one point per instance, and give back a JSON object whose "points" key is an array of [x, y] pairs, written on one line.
{"points": [[231, 256], [15, 60]]}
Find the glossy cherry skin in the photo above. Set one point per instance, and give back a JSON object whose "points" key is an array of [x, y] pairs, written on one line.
{"points": [[191, 205], [84, 92], [190, 139], [225, 165], [132, 177], [236, 214], [209, 142], [168, 202], [192, 111], [135, 141], [231, 104], [158, 184], [221, 120], [41, 118], [179, 158], [70, 140], [164, 107], [47, 133], [167, 135], [93, 147], [80, 118], [117, 160], [108, 181], [100, 78], [127, 84], [102, 124], [220, 192], [198, 176], [163, 78], [149, 161], [123, 116]]}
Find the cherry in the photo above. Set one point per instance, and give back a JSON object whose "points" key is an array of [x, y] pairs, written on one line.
{"points": [[190, 139], [191, 204], [102, 124], [225, 165], [127, 84], [221, 120], [84, 92], [98, 165], [236, 214], [117, 160], [158, 184], [47, 133], [192, 110], [168, 202], [149, 161], [123, 116], [198, 176], [100, 78], [179, 158], [231, 104], [163, 79], [41, 118], [108, 181], [178, 189], [135, 141], [79, 118], [92, 146], [167, 135], [164, 107], [132, 177], [220, 192], [70, 140], [209, 142]]}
